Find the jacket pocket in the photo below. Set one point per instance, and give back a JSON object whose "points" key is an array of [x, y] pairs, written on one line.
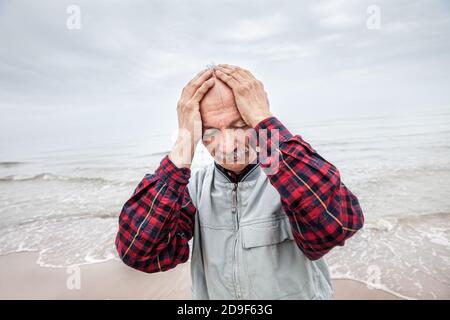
{"points": [[274, 265], [266, 233]]}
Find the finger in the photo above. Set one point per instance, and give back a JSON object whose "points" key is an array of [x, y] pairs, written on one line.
{"points": [[243, 72], [239, 73], [200, 74], [248, 73], [249, 77], [235, 68], [196, 82], [233, 73], [230, 66], [227, 67], [200, 78], [203, 89], [229, 80]]}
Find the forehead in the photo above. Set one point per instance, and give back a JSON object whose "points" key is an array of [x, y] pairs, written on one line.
{"points": [[218, 107]]}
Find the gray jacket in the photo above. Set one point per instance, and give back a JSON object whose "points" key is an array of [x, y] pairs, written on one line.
{"points": [[243, 246], [261, 238]]}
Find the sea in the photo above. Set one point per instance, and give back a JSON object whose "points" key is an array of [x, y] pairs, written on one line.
{"points": [[63, 201]]}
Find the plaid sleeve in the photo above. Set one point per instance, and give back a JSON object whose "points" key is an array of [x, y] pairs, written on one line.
{"points": [[157, 222], [322, 211]]}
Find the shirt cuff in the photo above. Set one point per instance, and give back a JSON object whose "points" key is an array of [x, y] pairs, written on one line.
{"points": [[272, 136], [168, 171], [269, 126]]}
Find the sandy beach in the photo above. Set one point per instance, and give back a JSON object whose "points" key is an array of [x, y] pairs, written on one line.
{"points": [[94, 96], [60, 208], [22, 278]]}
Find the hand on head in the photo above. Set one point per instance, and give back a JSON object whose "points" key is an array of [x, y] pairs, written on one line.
{"points": [[251, 99], [223, 99]]}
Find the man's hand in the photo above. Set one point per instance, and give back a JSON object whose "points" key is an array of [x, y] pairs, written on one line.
{"points": [[189, 120], [251, 99]]}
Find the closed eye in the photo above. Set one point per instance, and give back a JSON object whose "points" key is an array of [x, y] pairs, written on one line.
{"points": [[210, 133]]}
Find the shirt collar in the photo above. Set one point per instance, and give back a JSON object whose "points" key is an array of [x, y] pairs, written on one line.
{"points": [[234, 177]]}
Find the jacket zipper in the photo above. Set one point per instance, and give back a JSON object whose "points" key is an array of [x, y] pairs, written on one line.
{"points": [[235, 211], [234, 200]]}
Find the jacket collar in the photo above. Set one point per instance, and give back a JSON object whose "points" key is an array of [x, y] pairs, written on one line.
{"points": [[232, 177]]}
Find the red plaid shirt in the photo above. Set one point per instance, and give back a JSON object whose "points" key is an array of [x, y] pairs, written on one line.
{"points": [[157, 222]]}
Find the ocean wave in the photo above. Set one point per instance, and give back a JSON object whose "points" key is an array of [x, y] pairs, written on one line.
{"points": [[9, 164], [388, 223], [66, 217], [63, 242], [337, 276], [162, 153], [398, 247], [390, 253], [55, 177]]}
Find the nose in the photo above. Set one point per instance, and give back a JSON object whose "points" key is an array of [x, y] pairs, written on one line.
{"points": [[228, 143]]}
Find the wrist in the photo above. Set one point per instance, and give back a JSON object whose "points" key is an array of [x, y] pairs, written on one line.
{"points": [[257, 119], [183, 151], [168, 171]]}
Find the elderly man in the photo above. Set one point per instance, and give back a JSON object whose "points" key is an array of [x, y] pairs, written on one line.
{"points": [[261, 217]]}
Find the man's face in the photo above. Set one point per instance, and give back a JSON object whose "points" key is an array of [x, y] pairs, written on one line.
{"points": [[224, 131]]}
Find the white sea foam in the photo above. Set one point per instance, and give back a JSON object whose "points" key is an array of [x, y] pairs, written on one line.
{"points": [[65, 205]]}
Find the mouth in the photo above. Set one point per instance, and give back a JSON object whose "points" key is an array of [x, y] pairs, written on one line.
{"points": [[238, 156]]}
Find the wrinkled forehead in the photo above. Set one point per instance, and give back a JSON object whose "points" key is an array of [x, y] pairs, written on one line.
{"points": [[218, 107]]}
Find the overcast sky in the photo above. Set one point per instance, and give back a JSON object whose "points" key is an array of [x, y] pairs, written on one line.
{"points": [[121, 74]]}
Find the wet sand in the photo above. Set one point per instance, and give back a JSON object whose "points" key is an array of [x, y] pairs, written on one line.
{"points": [[22, 278]]}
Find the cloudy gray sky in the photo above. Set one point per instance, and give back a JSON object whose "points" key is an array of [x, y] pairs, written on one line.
{"points": [[120, 75]]}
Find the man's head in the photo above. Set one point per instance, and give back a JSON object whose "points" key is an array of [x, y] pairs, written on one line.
{"points": [[224, 130]]}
